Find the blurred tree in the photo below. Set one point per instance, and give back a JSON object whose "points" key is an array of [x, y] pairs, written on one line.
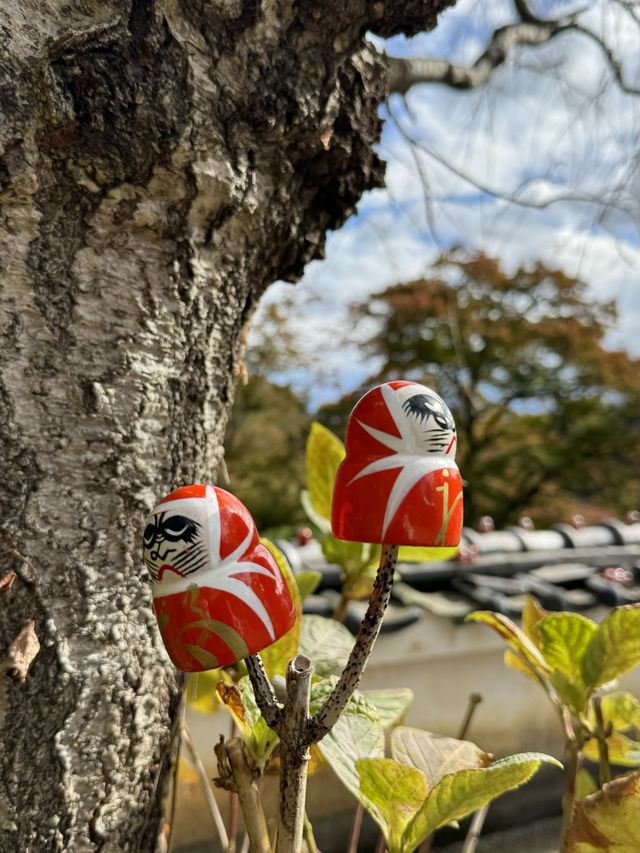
{"points": [[543, 409], [265, 452]]}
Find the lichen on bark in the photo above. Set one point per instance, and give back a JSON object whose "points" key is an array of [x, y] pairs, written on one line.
{"points": [[160, 165]]}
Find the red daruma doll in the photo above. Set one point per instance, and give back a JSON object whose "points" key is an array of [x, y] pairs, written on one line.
{"points": [[399, 483], [218, 594]]}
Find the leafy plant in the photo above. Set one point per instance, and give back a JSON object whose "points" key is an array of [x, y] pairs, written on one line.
{"points": [[575, 660]]}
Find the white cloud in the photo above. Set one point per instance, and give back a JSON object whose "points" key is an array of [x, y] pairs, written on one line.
{"points": [[538, 136]]}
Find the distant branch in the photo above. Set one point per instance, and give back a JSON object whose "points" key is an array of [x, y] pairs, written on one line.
{"points": [[405, 73], [530, 30]]}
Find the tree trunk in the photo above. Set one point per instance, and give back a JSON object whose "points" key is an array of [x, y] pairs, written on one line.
{"points": [[160, 165]]}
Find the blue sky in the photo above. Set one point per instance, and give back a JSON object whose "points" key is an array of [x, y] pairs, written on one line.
{"points": [[532, 132]]}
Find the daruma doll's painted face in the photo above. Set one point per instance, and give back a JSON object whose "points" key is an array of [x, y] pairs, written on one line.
{"points": [[218, 594], [399, 483]]}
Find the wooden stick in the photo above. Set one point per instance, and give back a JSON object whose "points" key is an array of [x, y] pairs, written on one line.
{"points": [[294, 756], [254, 819]]}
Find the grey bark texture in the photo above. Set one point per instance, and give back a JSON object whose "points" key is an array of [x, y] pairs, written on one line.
{"points": [[161, 163]]}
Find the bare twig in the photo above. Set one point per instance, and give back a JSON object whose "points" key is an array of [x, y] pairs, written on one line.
{"points": [[212, 803], [21, 653], [263, 691], [294, 756], [249, 797], [348, 682]]}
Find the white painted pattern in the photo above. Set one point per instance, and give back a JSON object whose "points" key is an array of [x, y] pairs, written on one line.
{"points": [[221, 574]]}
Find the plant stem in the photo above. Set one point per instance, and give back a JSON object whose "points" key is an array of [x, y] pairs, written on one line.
{"points": [[574, 758], [322, 723], [254, 819], [474, 700], [263, 691], [355, 829], [604, 767], [475, 830], [309, 837], [294, 756], [206, 788]]}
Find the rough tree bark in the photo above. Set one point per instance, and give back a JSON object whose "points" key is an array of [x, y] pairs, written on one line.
{"points": [[160, 164]]}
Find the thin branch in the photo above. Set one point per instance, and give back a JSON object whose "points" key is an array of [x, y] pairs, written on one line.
{"points": [[252, 811], [322, 723], [405, 73], [264, 693], [212, 803], [529, 31]]}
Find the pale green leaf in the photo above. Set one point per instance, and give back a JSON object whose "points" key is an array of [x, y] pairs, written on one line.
{"points": [[621, 709], [307, 583], [423, 554], [326, 643], [532, 613], [622, 750], [354, 558], [514, 636], [390, 704], [201, 693], [609, 819], [354, 736], [276, 657], [585, 784], [358, 703], [324, 453], [461, 793], [323, 524], [435, 755], [615, 647], [564, 640], [393, 793]]}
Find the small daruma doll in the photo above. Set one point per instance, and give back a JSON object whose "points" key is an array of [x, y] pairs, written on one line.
{"points": [[399, 483], [218, 593]]}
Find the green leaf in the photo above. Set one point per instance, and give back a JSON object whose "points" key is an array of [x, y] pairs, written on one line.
{"points": [[585, 784], [564, 641], [515, 637], [326, 642], [390, 704], [461, 793], [307, 583], [201, 690], [435, 755], [358, 703], [615, 647], [323, 524], [621, 709], [240, 701], [354, 736], [622, 750], [276, 657], [532, 613], [609, 819], [324, 453], [410, 554], [393, 793], [354, 558]]}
